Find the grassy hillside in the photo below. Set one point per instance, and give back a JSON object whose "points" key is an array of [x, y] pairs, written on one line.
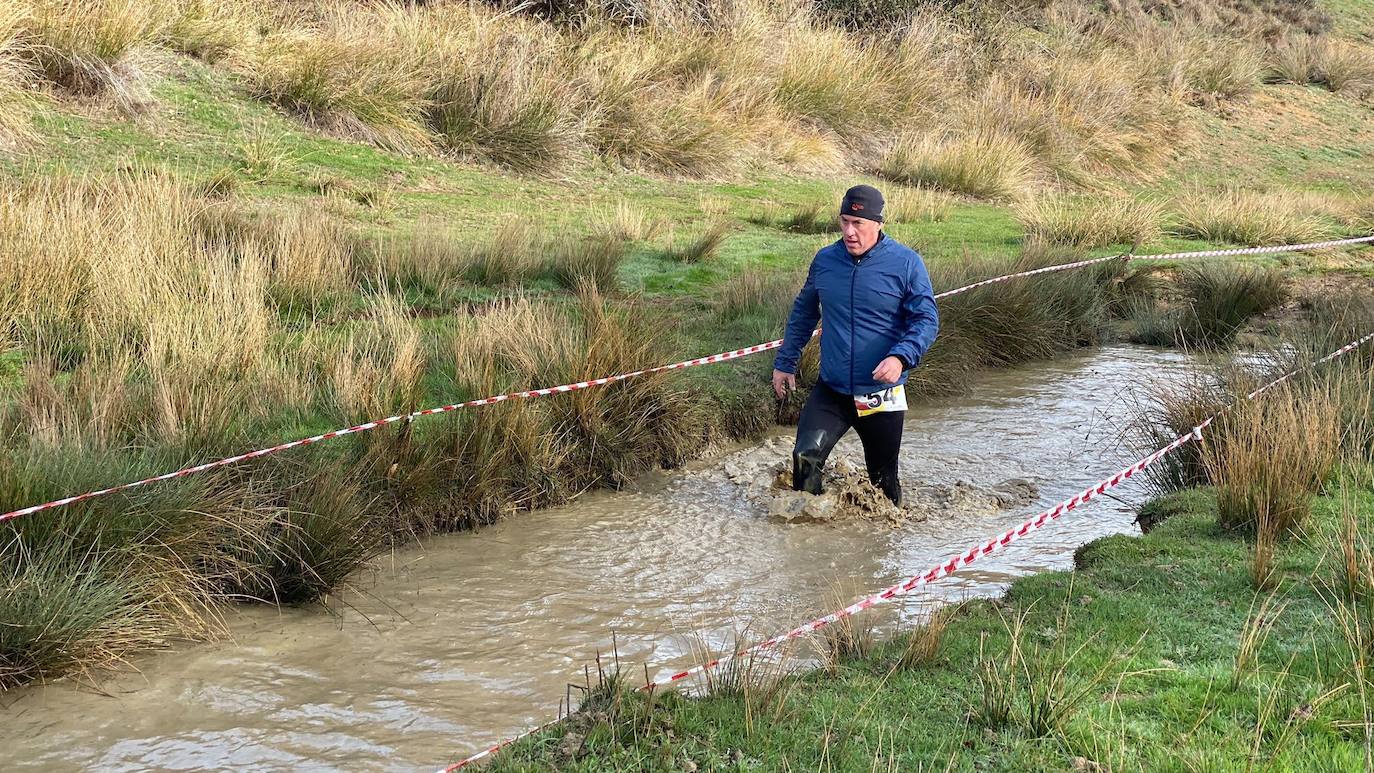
{"points": [[225, 226]]}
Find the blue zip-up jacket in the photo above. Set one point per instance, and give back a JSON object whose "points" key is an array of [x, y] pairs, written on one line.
{"points": [[877, 305]]}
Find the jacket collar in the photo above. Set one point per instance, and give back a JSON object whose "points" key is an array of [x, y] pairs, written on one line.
{"points": [[874, 250]]}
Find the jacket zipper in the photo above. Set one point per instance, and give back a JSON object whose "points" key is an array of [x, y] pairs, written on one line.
{"points": [[853, 277]]}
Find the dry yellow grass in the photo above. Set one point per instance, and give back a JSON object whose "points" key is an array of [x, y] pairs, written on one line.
{"points": [[95, 47], [1090, 222], [686, 91], [432, 256], [16, 103], [986, 164], [342, 74], [1248, 217], [1348, 67], [831, 81], [630, 223], [377, 370], [119, 279], [498, 87], [1270, 455], [211, 29], [923, 643], [916, 205], [1339, 65], [755, 292], [1225, 69], [119, 257], [1081, 116]]}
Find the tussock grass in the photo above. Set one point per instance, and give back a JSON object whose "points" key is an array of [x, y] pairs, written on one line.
{"points": [[985, 165], [1151, 324], [594, 260], [754, 292], [522, 456], [304, 541], [1217, 302], [1296, 60], [1222, 299], [1225, 70], [916, 205], [1092, 222], [433, 258], [1270, 458], [495, 89], [210, 30], [820, 217], [683, 91], [1011, 322], [376, 371], [309, 257], [155, 335], [106, 263], [16, 103], [651, 106], [1338, 65], [852, 636], [923, 642], [261, 155], [1038, 687], [95, 47], [1174, 409], [1341, 388], [705, 245], [1245, 217], [1080, 116], [1348, 68], [629, 223], [511, 254], [1192, 62], [219, 184], [341, 76], [850, 87], [69, 612]]}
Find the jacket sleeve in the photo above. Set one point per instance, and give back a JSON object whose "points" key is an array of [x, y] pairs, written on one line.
{"points": [[806, 312], [919, 316]]}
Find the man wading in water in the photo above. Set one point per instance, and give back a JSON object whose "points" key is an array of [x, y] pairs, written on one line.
{"points": [[873, 298]]}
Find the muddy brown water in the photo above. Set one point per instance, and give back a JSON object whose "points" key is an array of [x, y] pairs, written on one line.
{"points": [[449, 646]]}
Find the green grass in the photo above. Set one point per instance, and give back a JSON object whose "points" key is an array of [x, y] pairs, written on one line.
{"points": [[1148, 628], [1351, 17]]}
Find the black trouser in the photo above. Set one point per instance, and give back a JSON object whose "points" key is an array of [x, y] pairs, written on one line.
{"points": [[825, 418]]}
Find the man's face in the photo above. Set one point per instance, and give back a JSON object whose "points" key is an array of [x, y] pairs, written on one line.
{"points": [[860, 234]]}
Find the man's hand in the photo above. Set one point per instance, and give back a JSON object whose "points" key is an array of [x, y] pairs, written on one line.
{"points": [[887, 372], [783, 383]]}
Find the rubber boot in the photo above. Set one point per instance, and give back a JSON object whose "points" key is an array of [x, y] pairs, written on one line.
{"points": [[890, 483], [808, 462]]}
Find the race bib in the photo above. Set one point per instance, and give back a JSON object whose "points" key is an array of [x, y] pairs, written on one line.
{"points": [[890, 399]]}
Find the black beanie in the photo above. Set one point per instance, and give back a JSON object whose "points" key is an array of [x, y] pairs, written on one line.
{"points": [[863, 201]]}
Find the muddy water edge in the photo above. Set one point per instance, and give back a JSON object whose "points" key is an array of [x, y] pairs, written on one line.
{"points": [[447, 646]]}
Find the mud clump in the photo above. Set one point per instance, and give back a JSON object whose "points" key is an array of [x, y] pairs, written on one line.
{"points": [[848, 494], [765, 473]]}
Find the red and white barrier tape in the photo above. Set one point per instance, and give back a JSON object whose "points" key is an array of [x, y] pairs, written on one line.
{"points": [[708, 360], [1261, 250], [961, 560]]}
